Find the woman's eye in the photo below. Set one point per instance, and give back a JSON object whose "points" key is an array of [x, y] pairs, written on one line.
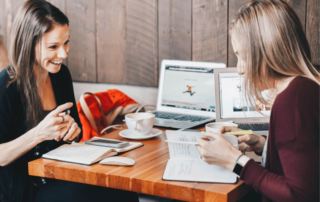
{"points": [[53, 47], [66, 43]]}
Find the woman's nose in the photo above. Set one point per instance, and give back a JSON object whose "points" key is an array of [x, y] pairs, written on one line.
{"points": [[62, 53]]}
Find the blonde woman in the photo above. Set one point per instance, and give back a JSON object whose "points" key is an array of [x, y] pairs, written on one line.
{"points": [[273, 53]]}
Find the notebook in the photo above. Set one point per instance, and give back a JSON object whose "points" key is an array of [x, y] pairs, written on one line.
{"points": [[232, 105], [186, 96], [86, 154], [185, 164]]}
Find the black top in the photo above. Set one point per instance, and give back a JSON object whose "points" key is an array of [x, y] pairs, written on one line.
{"points": [[15, 184]]}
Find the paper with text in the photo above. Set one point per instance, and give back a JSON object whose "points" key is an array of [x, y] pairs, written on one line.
{"points": [[185, 163]]}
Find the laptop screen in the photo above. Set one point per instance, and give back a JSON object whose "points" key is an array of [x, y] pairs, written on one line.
{"points": [[233, 103], [187, 87]]}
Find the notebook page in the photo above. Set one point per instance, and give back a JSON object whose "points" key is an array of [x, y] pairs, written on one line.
{"points": [[185, 163], [180, 150], [79, 153], [197, 171]]}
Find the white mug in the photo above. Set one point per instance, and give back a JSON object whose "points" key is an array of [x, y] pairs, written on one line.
{"points": [[140, 123], [216, 127]]}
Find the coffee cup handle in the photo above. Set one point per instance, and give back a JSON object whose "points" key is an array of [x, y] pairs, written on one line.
{"points": [[136, 124]]}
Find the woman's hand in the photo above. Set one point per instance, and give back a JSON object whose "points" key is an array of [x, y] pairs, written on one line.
{"points": [[251, 142], [73, 129], [57, 125], [214, 149]]}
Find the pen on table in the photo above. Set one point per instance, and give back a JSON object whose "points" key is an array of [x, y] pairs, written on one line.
{"points": [[182, 142], [240, 132]]}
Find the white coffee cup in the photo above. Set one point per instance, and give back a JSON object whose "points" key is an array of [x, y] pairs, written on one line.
{"points": [[140, 123], [216, 127]]}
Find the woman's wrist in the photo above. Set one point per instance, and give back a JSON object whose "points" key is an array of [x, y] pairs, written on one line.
{"points": [[35, 137], [233, 158], [240, 164]]}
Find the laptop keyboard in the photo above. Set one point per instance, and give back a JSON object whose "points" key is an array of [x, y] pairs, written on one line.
{"points": [[179, 117], [254, 126]]}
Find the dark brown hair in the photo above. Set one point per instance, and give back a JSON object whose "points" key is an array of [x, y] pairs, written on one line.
{"points": [[33, 19]]}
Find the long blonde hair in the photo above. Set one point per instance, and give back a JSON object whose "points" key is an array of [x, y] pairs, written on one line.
{"points": [[274, 45]]}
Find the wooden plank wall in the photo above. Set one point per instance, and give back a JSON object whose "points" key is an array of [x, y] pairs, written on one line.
{"points": [[124, 41]]}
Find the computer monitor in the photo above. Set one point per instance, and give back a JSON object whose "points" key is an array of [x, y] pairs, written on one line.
{"points": [[231, 101], [187, 87]]}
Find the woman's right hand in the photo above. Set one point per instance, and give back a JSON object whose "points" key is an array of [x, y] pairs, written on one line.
{"points": [[55, 125], [251, 142]]}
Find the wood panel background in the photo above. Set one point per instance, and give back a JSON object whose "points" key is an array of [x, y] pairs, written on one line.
{"points": [[124, 41]]}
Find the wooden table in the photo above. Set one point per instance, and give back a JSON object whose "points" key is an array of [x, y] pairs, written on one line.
{"points": [[144, 177]]}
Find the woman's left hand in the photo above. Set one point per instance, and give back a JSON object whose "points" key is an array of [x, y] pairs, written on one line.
{"points": [[215, 149], [73, 129]]}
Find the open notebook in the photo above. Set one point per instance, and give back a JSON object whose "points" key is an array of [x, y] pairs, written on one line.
{"points": [[184, 162], [86, 154]]}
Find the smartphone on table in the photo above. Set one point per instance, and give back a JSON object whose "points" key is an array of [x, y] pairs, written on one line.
{"points": [[106, 142]]}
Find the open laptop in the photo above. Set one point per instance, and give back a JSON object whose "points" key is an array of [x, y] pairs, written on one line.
{"points": [[232, 105], [186, 96]]}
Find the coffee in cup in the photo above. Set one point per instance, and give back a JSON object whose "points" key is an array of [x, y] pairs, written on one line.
{"points": [[140, 123]]}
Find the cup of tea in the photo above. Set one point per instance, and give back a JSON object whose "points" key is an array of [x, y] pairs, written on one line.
{"points": [[216, 127], [140, 123]]}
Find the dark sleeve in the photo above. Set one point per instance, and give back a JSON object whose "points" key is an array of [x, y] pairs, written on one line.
{"points": [[68, 95], [7, 128], [296, 134], [4, 118]]}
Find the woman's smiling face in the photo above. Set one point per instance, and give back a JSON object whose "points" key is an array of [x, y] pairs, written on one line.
{"points": [[53, 48]]}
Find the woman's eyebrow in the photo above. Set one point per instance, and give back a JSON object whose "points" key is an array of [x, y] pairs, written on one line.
{"points": [[57, 42], [52, 43]]}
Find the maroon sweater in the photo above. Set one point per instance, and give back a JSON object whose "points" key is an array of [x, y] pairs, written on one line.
{"points": [[292, 164]]}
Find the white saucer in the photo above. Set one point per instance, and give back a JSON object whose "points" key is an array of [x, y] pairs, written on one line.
{"points": [[129, 135]]}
